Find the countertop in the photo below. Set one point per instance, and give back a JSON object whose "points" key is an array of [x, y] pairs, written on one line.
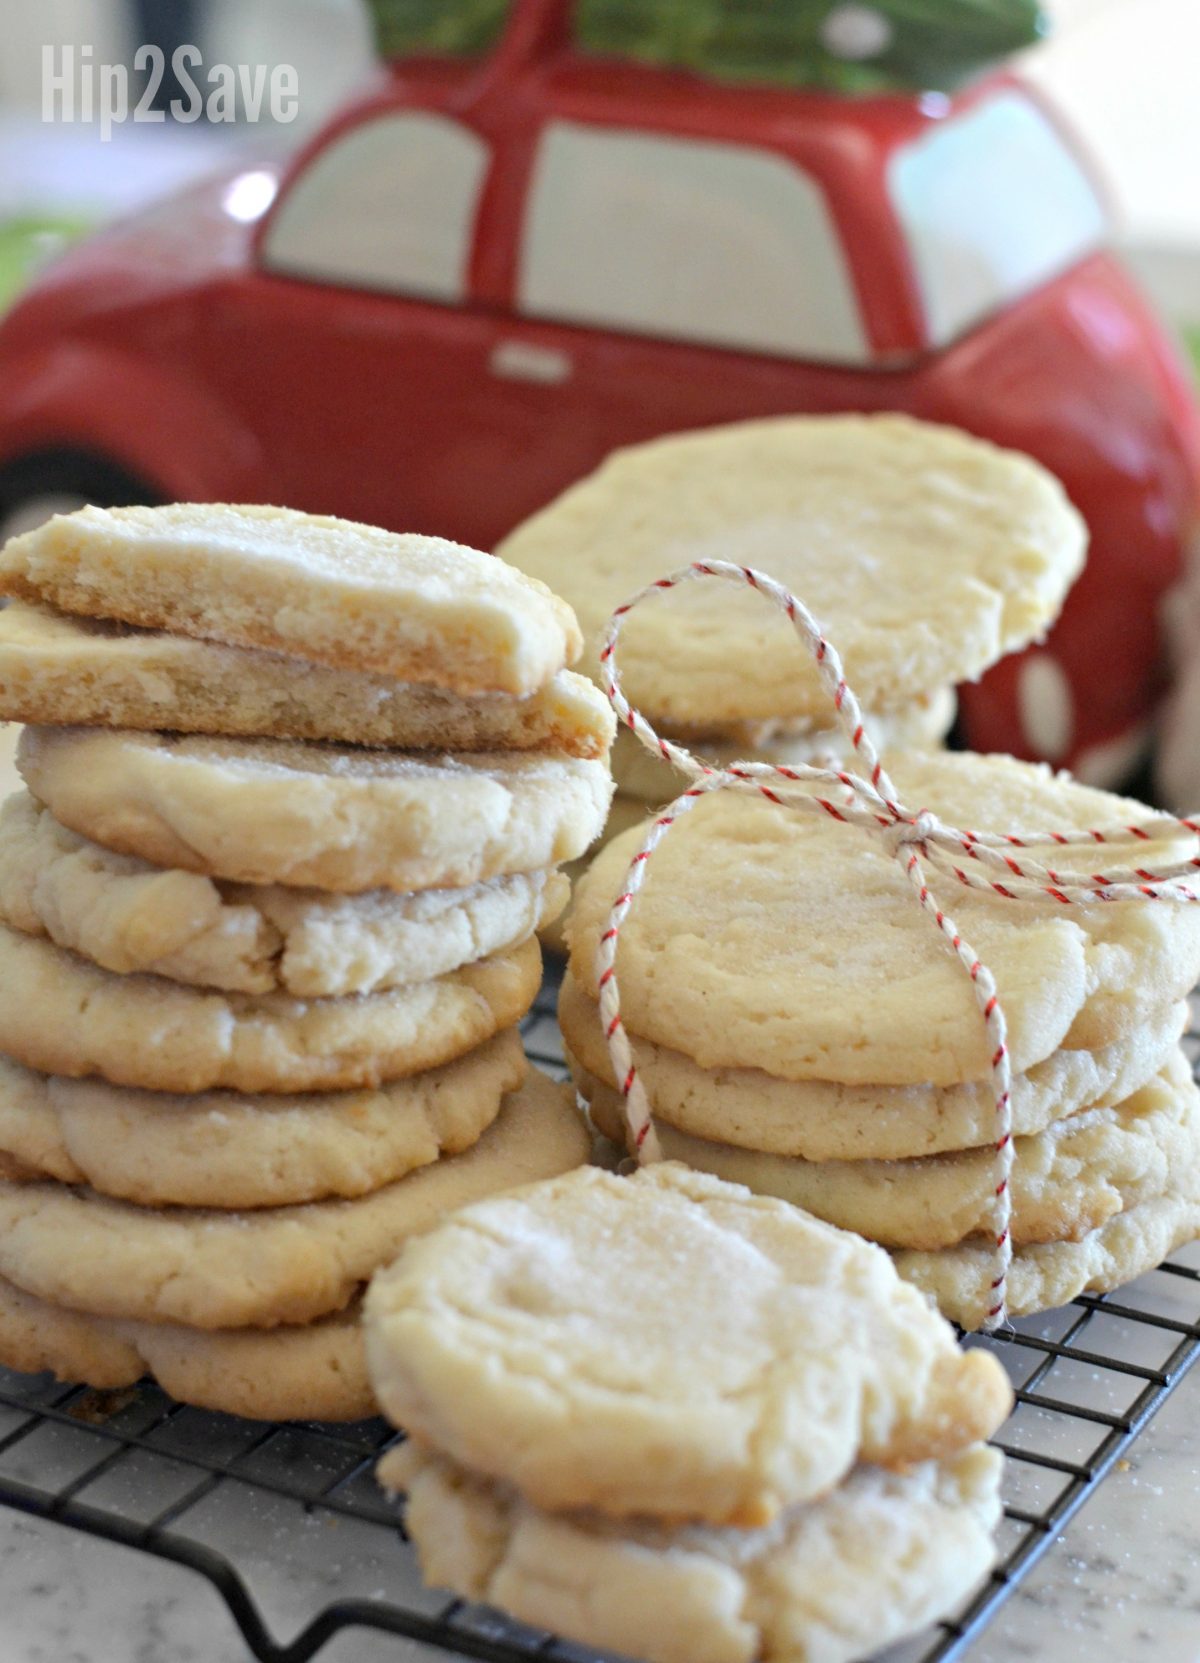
{"points": [[1122, 1583]]}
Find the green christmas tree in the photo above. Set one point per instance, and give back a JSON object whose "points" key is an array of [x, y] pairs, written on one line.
{"points": [[843, 45], [466, 28]]}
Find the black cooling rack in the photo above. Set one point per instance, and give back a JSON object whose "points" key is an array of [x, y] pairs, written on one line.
{"points": [[288, 1525]]}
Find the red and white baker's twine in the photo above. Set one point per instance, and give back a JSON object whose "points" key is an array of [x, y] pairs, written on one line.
{"points": [[869, 800]]}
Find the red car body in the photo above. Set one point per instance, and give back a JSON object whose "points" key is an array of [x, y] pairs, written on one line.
{"points": [[168, 350]]}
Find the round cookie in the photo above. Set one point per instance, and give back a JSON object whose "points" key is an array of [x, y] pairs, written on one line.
{"points": [[878, 1558], [274, 811], [313, 1373], [328, 590], [553, 1340], [1066, 1182], [129, 916], [820, 1120], [1041, 1278], [279, 1265], [643, 775], [228, 1149], [926, 554], [769, 938], [61, 1015], [62, 670]]}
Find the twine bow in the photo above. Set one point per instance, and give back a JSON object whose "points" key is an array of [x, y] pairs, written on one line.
{"points": [[976, 860]]}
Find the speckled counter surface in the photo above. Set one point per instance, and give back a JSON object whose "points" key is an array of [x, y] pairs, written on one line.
{"points": [[1122, 1584]]}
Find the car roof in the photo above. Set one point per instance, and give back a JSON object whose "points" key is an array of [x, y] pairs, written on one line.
{"points": [[801, 116]]}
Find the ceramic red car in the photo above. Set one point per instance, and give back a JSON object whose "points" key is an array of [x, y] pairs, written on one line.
{"points": [[488, 272]]}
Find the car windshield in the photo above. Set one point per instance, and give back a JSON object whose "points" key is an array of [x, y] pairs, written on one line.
{"points": [[466, 28], [993, 205]]}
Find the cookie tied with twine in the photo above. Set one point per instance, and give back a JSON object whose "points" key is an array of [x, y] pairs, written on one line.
{"points": [[917, 839]]}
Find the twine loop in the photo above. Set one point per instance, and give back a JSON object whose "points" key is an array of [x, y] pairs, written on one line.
{"points": [[987, 861]]}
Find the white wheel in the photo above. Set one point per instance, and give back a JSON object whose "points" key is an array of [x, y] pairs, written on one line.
{"points": [[1046, 705]]}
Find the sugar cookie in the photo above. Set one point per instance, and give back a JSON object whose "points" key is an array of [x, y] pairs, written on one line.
{"points": [[273, 811], [233, 1149], [1044, 1277], [61, 1015], [666, 1344], [1066, 1181], [328, 590], [926, 554], [821, 1120], [774, 939], [129, 916], [832, 1579], [209, 1269], [63, 670], [641, 775], [317, 1372]]}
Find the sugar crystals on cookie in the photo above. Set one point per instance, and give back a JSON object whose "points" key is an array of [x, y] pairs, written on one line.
{"points": [[666, 1416]]}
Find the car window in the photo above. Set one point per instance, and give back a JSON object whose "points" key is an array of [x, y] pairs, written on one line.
{"points": [[467, 28], [389, 205], [993, 204], [686, 239]]}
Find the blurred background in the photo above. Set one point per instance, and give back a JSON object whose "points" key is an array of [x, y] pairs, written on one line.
{"points": [[1124, 71]]}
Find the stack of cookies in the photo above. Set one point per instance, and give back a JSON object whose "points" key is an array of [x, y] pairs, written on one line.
{"points": [[260, 986], [665, 1417], [927, 555], [800, 1027]]}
